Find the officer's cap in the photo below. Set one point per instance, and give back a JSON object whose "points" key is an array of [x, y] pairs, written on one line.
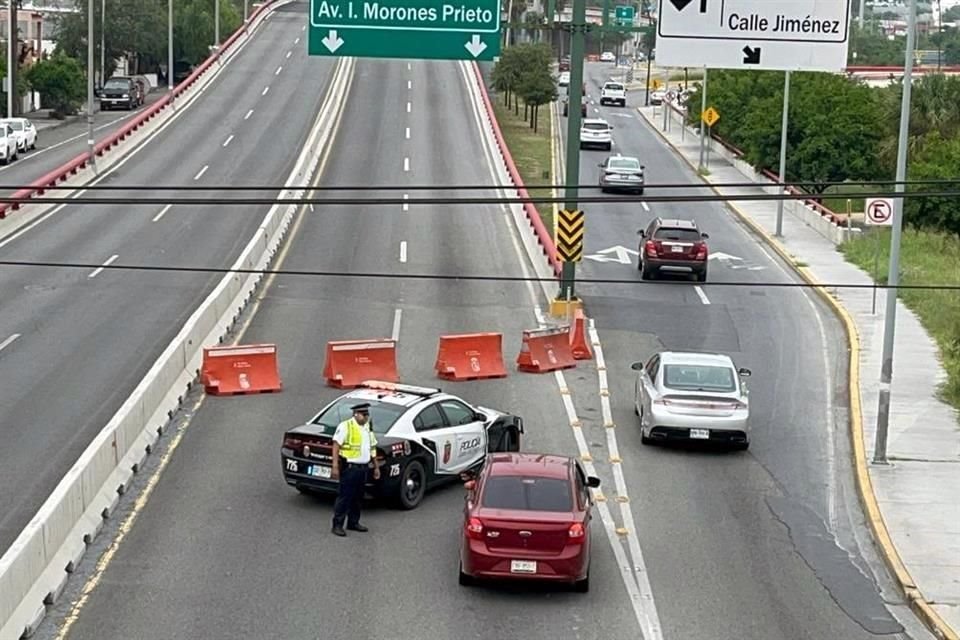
{"points": [[363, 407]]}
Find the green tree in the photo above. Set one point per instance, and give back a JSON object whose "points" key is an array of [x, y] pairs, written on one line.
{"points": [[60, 81], [934, 112], [939, 159], [537, 88], [952, 14], [875, 48]]}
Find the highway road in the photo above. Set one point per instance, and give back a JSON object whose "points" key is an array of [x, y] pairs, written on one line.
{"points": [[58, 145], [763, 544], [76, 342], [252, 558]]}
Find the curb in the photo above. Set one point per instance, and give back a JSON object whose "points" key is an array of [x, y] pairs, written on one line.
{"points": [[868, 499]]}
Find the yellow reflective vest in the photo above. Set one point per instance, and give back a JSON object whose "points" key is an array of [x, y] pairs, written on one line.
{"points": [[350, 449]]}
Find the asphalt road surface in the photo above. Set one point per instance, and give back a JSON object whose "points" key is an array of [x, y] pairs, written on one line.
{"points": [[81, 340], [58, 145]]}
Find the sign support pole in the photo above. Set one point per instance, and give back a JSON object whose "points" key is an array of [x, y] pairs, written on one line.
{"points": [[578, 27], [893, 277], [703, 125], [783, 151]]}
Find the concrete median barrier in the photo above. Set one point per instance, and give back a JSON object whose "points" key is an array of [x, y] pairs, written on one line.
{"points": [[33, 569]]}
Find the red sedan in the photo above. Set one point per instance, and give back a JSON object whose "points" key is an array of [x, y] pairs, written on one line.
{"points": [[527, 516]]}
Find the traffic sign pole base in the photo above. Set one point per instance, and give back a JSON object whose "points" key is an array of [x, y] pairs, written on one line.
{"points": [[562, 308]]}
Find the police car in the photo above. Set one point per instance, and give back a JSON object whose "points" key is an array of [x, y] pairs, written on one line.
{"points": [[424, 438]]}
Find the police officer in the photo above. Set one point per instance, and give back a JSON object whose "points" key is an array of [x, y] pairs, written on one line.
{"points": [[354, 447]]}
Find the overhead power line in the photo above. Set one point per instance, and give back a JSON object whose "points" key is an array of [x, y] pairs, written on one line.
{"points": [[392, 275]]}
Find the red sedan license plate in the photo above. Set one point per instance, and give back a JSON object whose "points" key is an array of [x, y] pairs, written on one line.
{"points": [[523, 566]]}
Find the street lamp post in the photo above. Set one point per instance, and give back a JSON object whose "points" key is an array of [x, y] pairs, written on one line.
{"points": [[12, 59], [170, 52], [103, 41], [216, 24], [92, 155]]}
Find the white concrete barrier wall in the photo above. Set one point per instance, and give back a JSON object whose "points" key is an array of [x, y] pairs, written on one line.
{"points": [[34, 569]]}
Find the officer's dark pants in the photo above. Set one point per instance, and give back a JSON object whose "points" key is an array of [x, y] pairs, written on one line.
{"points": [[353, 477]]}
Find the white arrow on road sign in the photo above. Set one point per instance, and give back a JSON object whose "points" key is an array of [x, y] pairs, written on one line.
{"points": [[799, 35], [332, 41], [622, 255], [880, 211], [475, 46]]}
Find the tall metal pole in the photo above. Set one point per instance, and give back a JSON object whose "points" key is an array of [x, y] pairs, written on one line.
{"points": [[893, 277], [103, 41], [578, 26], [783, 151], [860, 15], [12, 61], [646, 100], [703, 125], [216, 24], [170, 52], [246, 10], [93, 156]]}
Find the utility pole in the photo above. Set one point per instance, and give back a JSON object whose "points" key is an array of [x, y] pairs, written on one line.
{"points": [[246, 11], [578, 27], [646, 99], [893, 276], [216, 24], [703, 125], [103, 42], [92, 155], [13, 60], [170, 52], [783, 151]]}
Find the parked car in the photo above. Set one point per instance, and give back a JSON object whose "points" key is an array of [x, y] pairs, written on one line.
{"points": [[607, 56], [527, 517], [122, 91], [583, 106], [24, 132], [8, 144], [563, 79]]}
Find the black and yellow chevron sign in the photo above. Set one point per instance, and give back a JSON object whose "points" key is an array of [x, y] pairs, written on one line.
{"points": [[570, 236]]}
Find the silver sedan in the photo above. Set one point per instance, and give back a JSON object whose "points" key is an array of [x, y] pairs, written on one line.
{"points": [[690, 396], [621, 173]]}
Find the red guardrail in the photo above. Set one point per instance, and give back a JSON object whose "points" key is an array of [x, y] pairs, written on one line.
{"points": [[63, 172], [816, 206], [917, 68], [543, 235]]}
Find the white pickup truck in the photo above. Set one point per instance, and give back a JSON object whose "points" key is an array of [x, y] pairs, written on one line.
{"points": [[613, 93]]}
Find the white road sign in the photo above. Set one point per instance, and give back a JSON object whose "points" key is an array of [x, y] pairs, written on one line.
{"points": [[880, 211], [799, 35]]}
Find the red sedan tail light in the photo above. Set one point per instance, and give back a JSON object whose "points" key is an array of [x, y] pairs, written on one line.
{"points": [[474, 528], [701, 248], [651, 248], [576, 532]]}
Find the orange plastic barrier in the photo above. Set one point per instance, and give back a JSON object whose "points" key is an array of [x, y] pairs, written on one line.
{"points": [[350, 362], [579, 344], [240, 369], [545, 350], [471, 356]]}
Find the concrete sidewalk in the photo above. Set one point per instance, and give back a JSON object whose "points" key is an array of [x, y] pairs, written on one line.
{"points": [[912, 503]]}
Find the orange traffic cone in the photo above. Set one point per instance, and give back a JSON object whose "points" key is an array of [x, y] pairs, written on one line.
{"points": [[579, 344]]}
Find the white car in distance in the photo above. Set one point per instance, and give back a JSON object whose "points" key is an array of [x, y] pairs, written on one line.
{"points": [[23, 131], [613, 93], [8, 144], [692, 396], [563, 79]]}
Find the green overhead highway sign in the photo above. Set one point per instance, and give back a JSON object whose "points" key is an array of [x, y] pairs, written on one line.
{"points": [[431, 29], [624, 14]]}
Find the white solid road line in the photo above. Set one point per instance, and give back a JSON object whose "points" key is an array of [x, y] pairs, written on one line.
{"points": [[201, 172], [645, 206], [703, 296], [289, 53], [9, 341], [403, 251], [162, 213], [228, 140], [406, 207], [249, 113], [407, 133], [397, 314], [409, 106], [406, 164], [265, 89], [279, 69], [109, 261]]}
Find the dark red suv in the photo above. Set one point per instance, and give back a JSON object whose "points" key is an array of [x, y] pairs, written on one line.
{"points": [[676, 246]]}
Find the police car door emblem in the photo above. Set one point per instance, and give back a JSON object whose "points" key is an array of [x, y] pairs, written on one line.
{"points": [[447, 450]]}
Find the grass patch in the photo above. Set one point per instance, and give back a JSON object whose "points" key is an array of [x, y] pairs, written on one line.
{"points": [[530, 151], [930, 259], [835, 197]]}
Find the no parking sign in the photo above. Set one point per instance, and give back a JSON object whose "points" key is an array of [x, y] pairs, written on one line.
{"points": [[880, 211]]}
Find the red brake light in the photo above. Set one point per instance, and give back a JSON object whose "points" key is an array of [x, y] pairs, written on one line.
{"points": [[475, 528], [701, 251], [651, 248], [576, 533]]}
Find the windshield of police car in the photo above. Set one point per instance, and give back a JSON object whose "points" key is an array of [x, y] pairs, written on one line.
{"points": [[382, 415]]}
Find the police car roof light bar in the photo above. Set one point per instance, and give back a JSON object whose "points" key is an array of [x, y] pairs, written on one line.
{"points": [[399, 388]]}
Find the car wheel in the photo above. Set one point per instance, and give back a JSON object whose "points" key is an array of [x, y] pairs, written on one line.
{"points": [[640, 191], [644, 439], [646, 273], [465, 580], [413, 485], [609, 146], [702, 276], [582, 586], [741, 446]]}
